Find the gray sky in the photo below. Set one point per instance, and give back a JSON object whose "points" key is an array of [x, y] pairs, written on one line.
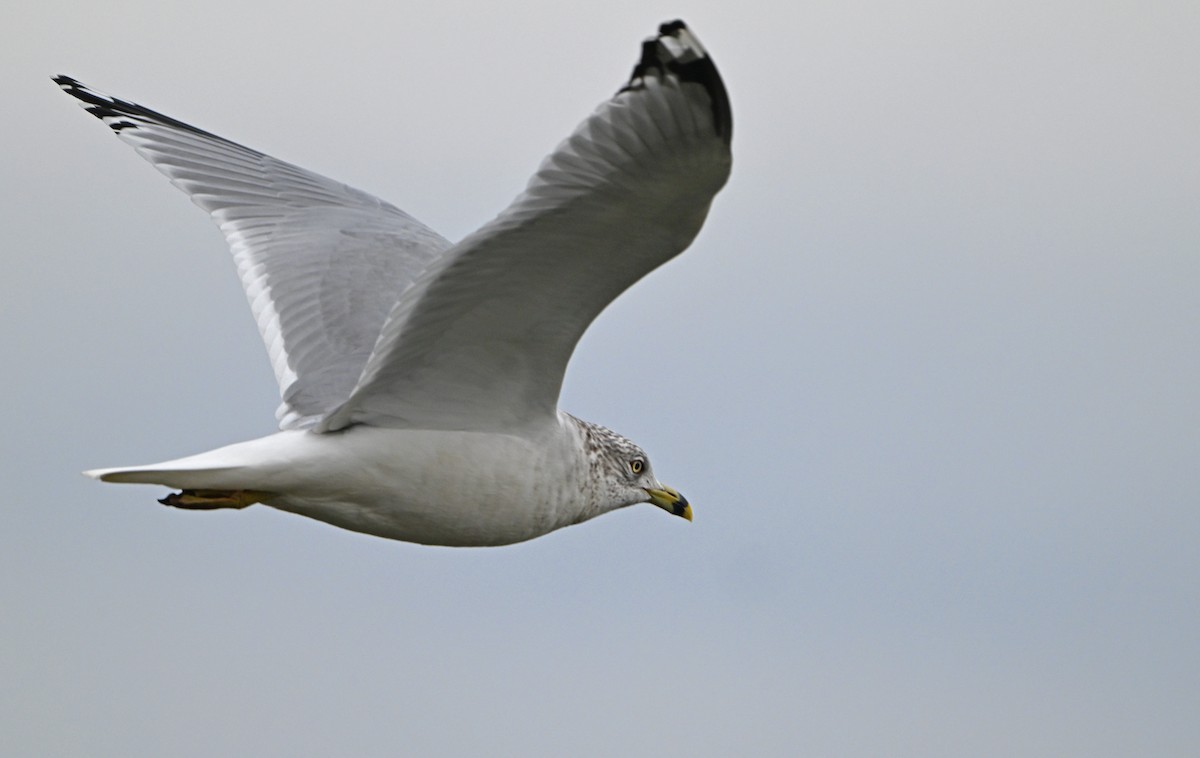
{"points": [[929, 375]]}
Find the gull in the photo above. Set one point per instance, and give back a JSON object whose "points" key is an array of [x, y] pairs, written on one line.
{"points": [[420, 379]]}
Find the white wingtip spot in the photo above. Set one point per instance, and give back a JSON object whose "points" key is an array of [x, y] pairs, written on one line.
{"points": [[683, 46]]}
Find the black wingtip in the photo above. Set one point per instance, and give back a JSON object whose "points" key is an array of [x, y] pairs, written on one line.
{"points": [[76, 89], [121, 114], [111, 111], [678, 51], [670, 27]]}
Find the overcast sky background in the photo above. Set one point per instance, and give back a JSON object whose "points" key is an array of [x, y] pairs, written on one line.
{"points": [[930, 376]]}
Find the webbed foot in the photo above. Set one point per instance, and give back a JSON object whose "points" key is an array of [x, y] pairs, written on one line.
{"points": [[211, 500]]}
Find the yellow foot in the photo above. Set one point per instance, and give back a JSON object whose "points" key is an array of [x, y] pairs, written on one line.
{"points": [[210, 500]]}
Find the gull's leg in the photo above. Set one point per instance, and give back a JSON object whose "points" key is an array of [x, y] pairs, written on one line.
{"points": [[211, 500]]}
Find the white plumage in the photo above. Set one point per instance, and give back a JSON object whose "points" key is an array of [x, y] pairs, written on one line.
{"points": [[419, 379]]}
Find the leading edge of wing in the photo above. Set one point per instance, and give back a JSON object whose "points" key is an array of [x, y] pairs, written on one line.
{"points": [[482, 340], [322, 263]]}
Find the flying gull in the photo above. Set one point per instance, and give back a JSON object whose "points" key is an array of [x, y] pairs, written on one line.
{"points": [[419, 378]]}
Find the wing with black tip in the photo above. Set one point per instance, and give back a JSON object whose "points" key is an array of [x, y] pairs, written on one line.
{"points": [[482, 340], [322, 263]]}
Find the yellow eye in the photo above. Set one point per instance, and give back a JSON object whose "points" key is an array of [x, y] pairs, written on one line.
{"points": [[636, 465]]}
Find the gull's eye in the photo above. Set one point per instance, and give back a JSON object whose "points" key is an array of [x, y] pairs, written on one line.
{"points": [[636, 465]]}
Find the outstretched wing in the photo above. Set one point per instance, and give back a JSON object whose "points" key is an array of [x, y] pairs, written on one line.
{"points": [[322, 263], [482, 340]]}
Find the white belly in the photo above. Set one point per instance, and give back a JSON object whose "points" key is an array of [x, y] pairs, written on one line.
{"points": [[441, 488]]}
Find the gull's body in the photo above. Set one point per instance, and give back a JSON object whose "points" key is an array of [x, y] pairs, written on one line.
{"points": [[394, 482], [420, 379]]}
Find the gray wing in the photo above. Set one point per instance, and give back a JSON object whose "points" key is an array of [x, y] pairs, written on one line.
{"points": [[482, 340], [322, 263]]}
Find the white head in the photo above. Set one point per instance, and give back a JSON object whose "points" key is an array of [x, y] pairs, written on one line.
{"points": [[620, 474]]}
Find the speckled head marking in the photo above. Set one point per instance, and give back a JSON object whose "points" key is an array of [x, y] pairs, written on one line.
{"points": [[608, 451], [619, 473]]}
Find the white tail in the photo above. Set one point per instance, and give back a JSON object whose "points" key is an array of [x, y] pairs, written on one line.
{"points": [[166, 475]]}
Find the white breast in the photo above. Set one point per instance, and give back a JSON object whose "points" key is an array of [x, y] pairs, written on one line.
{"points": [[432, 487]]}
